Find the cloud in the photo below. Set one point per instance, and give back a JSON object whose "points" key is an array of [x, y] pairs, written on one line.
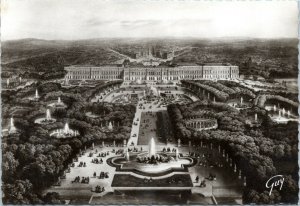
{"points": [[96, 22], [139, 23], [81, 19]]}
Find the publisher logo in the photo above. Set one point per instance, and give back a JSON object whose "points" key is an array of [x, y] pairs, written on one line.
{"points": [[275, 181]]}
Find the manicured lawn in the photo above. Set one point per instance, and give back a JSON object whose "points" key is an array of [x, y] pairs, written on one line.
{"points": [[148, 129], [226, 201], [163, 125], [177, 180]]}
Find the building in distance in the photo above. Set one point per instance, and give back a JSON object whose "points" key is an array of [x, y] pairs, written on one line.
{"points": [[150, 73]]}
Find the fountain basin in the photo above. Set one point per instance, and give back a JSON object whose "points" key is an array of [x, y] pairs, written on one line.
{"points": [[59, 133], [44, 121], [55, 105], [65, 132], [48, 119], [282, 120], [149, 169]]}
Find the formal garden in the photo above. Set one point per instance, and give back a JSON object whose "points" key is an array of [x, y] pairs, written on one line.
{"points": [[58, 138]]}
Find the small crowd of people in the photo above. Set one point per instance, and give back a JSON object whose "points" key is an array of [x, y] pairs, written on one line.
{"points": [[211, 177], [135, 149], [119, 151], [82, 164], [168, 149], [202, 183], [99, 189], [103, 154], [102, 175], [97, 161], [84, 180]]}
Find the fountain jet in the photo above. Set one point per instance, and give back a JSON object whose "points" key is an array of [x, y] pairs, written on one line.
{"points": [[279, 114], [48, 115], [36, 94], [152, 147], [66, 81], [66, 129], [12, 127], [110, 127]]}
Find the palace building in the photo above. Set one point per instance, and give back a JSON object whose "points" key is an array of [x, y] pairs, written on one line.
{"points": [[150, 73]]}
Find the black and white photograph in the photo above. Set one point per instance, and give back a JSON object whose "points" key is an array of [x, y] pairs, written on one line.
{"points": [[149, 102]]}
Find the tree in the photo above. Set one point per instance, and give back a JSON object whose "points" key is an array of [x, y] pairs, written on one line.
{"points": [[53, 198], [9, 165], [18, 192]]}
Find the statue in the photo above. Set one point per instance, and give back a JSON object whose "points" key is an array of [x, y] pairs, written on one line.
{"points": [[179, 142], [127, 156], [176, 155]]}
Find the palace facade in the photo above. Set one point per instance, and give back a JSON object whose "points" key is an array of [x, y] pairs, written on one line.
{"points": [[159, 73]]}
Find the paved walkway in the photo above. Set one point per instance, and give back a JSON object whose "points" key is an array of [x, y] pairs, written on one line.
{"points": [[67, 188]]}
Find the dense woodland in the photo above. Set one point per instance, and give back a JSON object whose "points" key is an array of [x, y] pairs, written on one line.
{"points": [[32, 161], [254, 150]]}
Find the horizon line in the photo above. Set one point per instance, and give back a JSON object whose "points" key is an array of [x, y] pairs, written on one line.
{"points": [[163, 37]]}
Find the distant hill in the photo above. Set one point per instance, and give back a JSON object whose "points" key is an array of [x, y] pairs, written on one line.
{"points": [[268, 57]]}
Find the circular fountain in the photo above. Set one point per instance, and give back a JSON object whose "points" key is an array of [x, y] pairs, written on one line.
{"points": [[58, 104], [35, 97], [282, 116], [151, 162], [11, 129], [65, 132], [45, 120], [110, 126]]}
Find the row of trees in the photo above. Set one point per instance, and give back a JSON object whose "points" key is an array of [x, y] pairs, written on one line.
{"points": [[239, 89], [262, 99], [91, 94], [222, 96], [218, 86], [222, 90]]}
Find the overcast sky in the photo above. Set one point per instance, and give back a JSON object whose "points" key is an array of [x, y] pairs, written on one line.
{"points": [[84, 19]]}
